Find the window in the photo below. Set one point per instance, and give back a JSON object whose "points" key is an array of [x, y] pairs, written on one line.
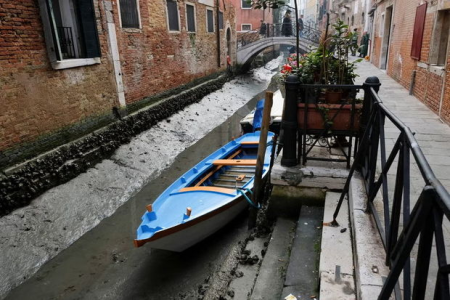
{"points": [[419, 25], [129, 13], [440, 38], [70, 31], [172, 15], [220, 20], [209, 20], [190, 17], [246, 4], [246, 27]]}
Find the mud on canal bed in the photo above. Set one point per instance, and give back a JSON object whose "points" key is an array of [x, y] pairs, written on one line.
{"points": [[103, 264]]}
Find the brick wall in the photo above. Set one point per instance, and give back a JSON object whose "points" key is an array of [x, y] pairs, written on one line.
{"points": [[400, 63], [44, 108], [428, 84], [154, 60], [36, 99]]}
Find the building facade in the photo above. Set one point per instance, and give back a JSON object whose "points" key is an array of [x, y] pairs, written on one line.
{"points": [[411, 41], [65, 64], [248, 19]]}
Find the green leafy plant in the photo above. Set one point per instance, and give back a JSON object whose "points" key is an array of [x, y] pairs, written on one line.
{"points": [[263, 4]]}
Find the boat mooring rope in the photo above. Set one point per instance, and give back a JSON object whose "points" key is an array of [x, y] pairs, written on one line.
{"points": [[247, 198]]}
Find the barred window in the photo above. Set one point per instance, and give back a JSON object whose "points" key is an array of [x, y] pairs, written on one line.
{"points": [[70, 29], [246, 27]]}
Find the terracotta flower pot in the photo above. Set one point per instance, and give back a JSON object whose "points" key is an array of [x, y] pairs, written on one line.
{"points": [[316, 120], [333, 97]]}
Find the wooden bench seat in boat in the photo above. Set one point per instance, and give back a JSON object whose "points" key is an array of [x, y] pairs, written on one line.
{"points": [[234, 162], [250, 143], [209, 189]]}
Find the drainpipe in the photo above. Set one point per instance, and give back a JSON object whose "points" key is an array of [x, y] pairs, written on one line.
{"points": [[444, 80], [413, 82], [218, 34]]}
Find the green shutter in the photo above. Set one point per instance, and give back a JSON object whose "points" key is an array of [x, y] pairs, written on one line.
{"points": [[54, 29], [89, 28]]}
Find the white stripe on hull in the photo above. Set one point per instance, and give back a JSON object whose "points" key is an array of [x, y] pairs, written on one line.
{"points": [[181, 240]]}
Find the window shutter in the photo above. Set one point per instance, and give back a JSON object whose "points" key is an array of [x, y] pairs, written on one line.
{"points": [[190, 12], [220, 20], [419, 26], [210, 20], [89, 28], [129, 14], [172, 14], [54, 30]]}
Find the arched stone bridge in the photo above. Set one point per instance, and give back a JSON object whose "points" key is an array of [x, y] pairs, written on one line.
{"points": [[246, 53]]}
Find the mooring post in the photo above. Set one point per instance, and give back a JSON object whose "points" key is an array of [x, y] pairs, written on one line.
{"points": [[289, 122], [258, 184]]}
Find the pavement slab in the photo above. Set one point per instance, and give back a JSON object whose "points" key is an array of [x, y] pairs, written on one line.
{"points": [[302, 278]]}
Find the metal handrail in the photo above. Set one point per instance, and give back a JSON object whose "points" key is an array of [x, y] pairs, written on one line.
{"points": [[426, 217], [276, 30]]}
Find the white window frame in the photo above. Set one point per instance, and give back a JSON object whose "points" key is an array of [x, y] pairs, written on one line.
{"points": [[179, 19], [64, 63], [242, 29], [436, 42], [223, 21], [139, 17], [381, 28], [242, 6], [195, 16], [213, 19]]}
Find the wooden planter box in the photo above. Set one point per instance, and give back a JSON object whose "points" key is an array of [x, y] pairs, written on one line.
{"points": [[342, 121]]}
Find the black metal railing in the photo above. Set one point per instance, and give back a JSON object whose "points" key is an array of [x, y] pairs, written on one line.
{"points": [[278, 30], [399, 227], [331, 123], [66, 42]]}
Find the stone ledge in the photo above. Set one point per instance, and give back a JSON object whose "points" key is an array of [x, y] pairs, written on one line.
{"points": [[336, 263], [368, 252]]}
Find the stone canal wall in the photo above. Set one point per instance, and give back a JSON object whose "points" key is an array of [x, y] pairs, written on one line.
{"points": [[28, 181]]}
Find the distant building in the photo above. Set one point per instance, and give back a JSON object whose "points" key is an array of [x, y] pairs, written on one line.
{"points": [[311, 13], [249, 19]]}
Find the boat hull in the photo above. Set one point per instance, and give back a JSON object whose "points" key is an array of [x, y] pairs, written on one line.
{"points": [[205, 198], [180, 238]]}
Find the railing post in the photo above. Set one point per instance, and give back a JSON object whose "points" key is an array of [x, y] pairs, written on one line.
{"points": [[289, 123], [371, 82]]}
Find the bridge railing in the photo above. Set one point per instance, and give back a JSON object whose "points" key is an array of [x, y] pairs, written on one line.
{"points": [[278, 30]]}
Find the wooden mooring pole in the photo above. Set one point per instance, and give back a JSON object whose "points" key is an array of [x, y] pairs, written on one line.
{"points": [[258, 184]]}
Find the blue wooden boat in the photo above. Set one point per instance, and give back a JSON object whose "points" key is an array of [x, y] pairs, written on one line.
{"points": [[205, 198]]}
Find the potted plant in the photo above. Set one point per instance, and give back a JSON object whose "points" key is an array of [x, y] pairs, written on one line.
{"points": [[329, 65]]}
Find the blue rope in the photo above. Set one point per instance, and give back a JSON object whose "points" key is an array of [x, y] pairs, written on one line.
{"points": [[247, 198]]}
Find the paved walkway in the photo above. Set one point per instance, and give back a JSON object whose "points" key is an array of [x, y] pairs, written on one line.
{"points": [[431, 133]]}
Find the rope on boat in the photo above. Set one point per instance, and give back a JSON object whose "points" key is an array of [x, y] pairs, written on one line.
{"points": [[247, 198]]}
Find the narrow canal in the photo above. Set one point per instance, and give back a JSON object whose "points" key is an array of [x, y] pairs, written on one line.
{"points": [[103, 263]]}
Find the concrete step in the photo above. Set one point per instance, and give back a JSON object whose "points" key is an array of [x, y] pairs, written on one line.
{"points": [[302, 277], [336, 258]]}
